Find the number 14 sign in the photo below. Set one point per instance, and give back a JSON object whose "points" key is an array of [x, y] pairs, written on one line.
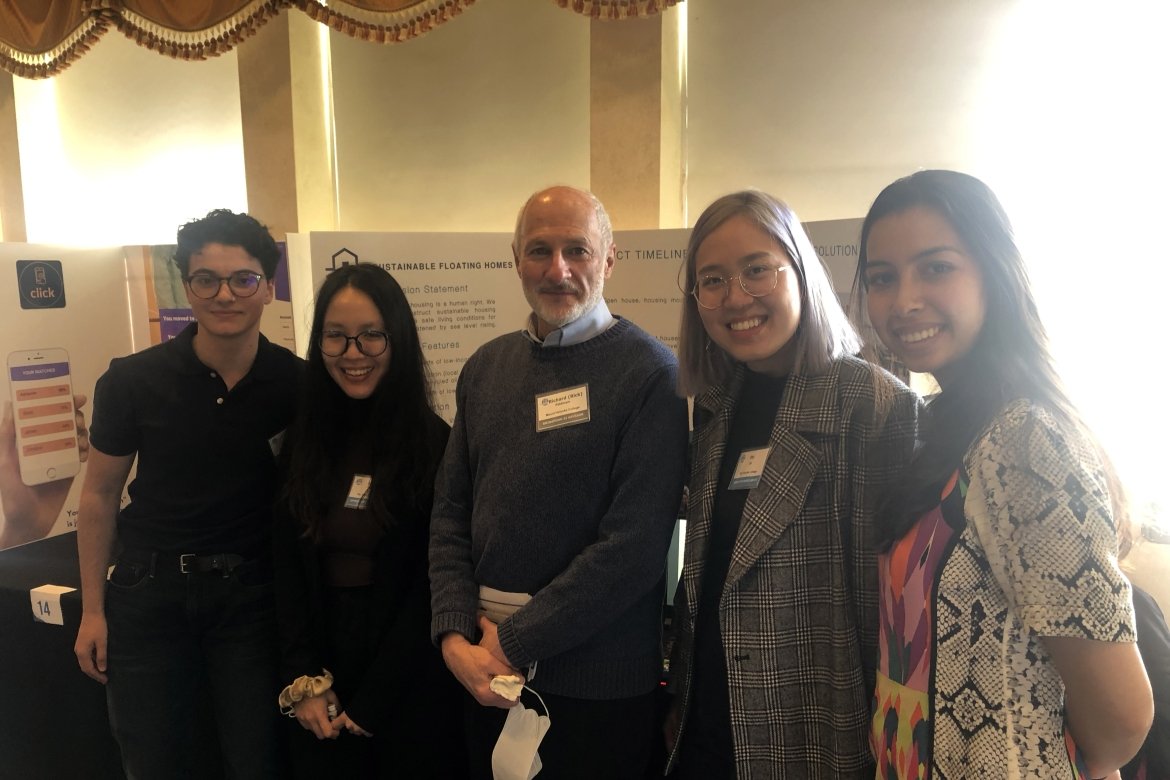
{"points": [[46, 603]]}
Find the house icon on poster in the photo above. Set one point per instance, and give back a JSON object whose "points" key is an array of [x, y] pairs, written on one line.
{"points": [[341, 258]]}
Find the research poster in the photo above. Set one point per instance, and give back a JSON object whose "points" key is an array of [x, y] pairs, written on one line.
{"points": [[836, 244], [645, 282], [464, 291], [65, 315]]}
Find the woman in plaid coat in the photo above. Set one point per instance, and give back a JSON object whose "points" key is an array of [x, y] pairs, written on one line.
{"points": [[794, 441]]}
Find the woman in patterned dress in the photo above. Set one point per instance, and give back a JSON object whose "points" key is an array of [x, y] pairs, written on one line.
{"points": [[1007, 628]]}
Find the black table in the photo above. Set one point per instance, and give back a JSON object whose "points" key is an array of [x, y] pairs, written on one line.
{"points": [[52, 717]]}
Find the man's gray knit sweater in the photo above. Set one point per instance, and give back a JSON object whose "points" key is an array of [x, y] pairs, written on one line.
{"points": [[580, 516]]}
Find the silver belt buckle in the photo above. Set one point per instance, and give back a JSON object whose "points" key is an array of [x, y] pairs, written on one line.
{"points": [[185, 561]]}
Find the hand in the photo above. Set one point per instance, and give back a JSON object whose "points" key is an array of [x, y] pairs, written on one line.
{"points": [[90, 647], [474, 667], [313, 714], [31, 510], [490, 641], [342, 721]]}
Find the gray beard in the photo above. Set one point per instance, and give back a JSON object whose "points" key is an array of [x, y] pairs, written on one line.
{"points": [[574, 313]]}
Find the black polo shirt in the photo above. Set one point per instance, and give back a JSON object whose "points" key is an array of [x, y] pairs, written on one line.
{"points": [[206, 470]]}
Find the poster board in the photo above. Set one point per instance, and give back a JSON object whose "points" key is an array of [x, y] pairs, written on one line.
{"points": [[464, 291], [70, 307]]}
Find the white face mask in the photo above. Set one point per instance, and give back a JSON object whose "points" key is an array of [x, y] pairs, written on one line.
{"points": [[515, 756]]}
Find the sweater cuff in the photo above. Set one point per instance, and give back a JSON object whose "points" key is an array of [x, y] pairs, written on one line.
{"points": [[446, 622], [518, 658]]}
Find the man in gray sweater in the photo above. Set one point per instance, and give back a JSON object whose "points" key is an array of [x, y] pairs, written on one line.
{"points": [[559, 492]]}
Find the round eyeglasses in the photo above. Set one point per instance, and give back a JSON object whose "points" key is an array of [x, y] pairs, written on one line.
{"points": [[711, 289], [242, 284], [370, 343]]}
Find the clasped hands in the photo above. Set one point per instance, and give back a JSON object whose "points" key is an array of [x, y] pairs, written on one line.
{"points": [[474, 665]]}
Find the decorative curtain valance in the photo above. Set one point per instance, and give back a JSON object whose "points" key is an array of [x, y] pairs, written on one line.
{"points": [[383, 21], [39, 39], [190, 30], [617, 9]]}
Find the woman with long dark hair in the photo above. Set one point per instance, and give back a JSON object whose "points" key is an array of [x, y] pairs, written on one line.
{"points": [[1007, 628], [351, 545]]}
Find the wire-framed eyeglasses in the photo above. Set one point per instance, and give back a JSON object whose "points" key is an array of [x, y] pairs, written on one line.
{"points": [[242, 284], [712, 289], [370, 343]]}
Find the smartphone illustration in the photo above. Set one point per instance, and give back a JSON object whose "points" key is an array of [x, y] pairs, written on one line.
{"points": [[43, 413]]}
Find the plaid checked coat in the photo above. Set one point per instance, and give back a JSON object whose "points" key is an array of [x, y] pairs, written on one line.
{"points": [[798, 613]]}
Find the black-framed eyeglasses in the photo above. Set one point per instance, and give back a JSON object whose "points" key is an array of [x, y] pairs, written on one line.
{"points": [[370, 343], [711, 290], [242, 284]]}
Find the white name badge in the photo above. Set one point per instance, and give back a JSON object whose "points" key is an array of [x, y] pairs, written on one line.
{"points": [[46, 603], [562, 408], [749, 469], [359, 492]]}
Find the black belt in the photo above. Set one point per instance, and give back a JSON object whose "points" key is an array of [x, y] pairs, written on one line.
{"points": [[186, 563], [224, 563]]}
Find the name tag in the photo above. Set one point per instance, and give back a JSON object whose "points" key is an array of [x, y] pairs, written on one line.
{"points": [[562, 408], [749, 469], [359, 492]]}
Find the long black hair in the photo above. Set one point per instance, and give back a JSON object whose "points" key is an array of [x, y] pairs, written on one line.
{"points": [[1010, 359], [399, 414]]}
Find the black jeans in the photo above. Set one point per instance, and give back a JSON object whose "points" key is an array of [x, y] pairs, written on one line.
{"points": [[169, 634]]}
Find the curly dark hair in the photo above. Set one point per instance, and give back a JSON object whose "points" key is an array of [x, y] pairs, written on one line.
{"points": [[222, 226]]}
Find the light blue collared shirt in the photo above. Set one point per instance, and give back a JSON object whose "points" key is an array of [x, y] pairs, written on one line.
{"points": [[592, 323]]}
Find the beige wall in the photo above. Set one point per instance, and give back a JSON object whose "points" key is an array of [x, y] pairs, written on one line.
{"points": [[454, 130], [820, 101], [823, 102], [125, 145]]}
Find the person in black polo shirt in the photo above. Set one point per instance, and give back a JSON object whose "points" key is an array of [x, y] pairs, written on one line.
{"points": [[189, 601]]}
